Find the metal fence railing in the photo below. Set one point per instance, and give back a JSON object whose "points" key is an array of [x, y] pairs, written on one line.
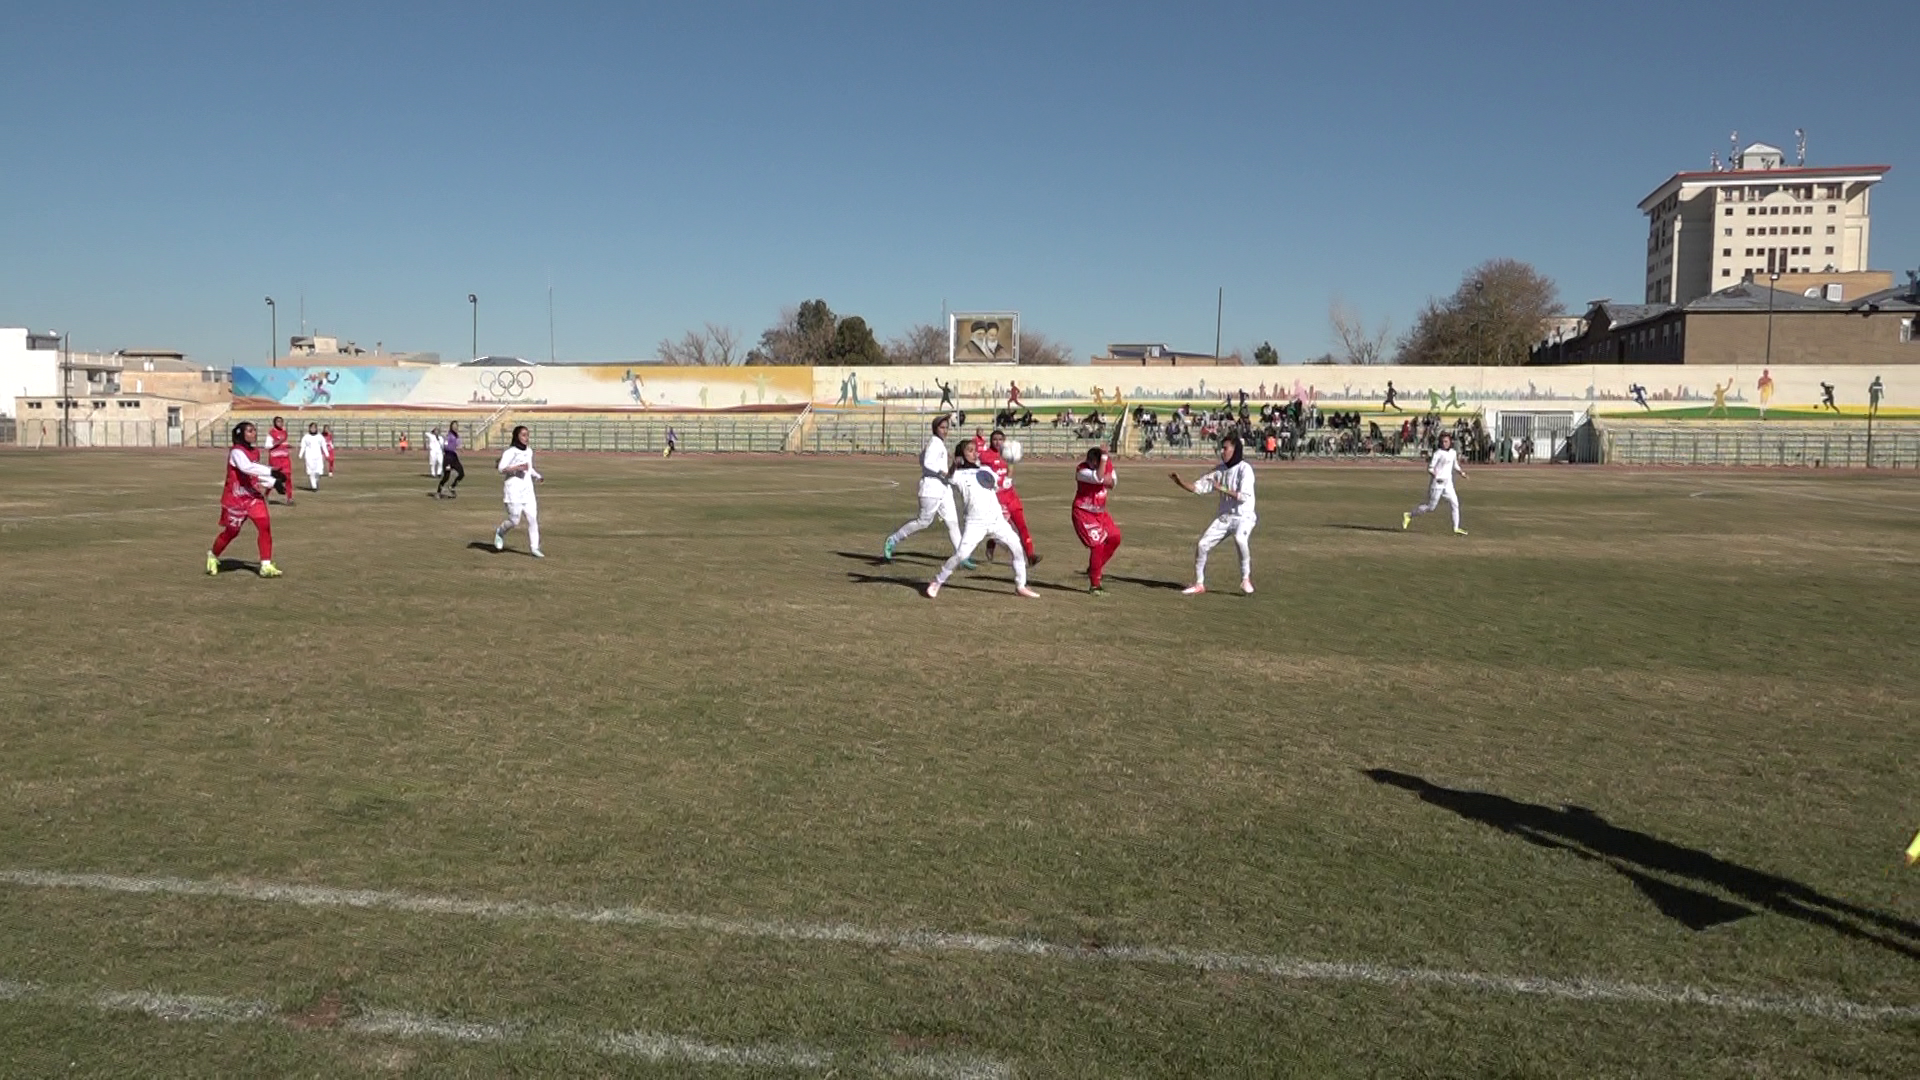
{"points": [[906, 431], [696, 434], [1826, 446]]}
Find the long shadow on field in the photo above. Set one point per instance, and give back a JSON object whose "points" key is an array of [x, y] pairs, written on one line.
{"points": [[918, 585], [1636, 856], [1150, 583], [1363, 528], [878, 560]]}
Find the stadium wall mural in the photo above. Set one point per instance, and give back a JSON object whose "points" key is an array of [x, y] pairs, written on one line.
{"points": [[1801, 392]]}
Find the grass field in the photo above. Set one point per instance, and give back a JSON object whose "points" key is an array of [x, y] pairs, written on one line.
{"points": [[1616, 786]]}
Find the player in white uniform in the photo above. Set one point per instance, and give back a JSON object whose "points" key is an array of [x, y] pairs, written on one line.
{"points": [[979, 487], [1443, 466], [936, 497], [516, 465], [313, 454], [1232, 479], [435, 453]]}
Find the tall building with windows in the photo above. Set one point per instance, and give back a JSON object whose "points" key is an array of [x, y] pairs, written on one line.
{"points": [[1709, 230]]}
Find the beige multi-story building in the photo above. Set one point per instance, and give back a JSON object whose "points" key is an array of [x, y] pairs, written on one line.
{"points": [[1709, 230]]}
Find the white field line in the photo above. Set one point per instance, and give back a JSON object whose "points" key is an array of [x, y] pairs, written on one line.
{"points": [[1281, 968], [647, 1046]]}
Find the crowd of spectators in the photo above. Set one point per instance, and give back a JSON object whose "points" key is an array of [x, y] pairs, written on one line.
{"points": [[1295, 428]]}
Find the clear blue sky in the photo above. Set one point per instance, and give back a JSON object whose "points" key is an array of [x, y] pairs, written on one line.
{"points": [[1101, 168]]}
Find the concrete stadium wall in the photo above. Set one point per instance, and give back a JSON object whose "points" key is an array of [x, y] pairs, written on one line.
{"points": [[1672, 390]]}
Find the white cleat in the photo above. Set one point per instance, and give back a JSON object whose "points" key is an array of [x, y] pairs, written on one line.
{"points": [[1022, 590], [1194, 589], [933, 589], [1246, 586], [499, 542], [538, 554]]}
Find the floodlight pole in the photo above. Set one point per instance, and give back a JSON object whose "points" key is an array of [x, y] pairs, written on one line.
{"points": [[475, 301], [273, 334]]}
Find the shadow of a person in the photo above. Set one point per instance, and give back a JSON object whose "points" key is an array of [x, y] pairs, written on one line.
{"points": [[1637, 856]]}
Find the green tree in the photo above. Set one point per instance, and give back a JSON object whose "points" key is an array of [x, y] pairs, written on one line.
{"points": [[1494, 318], [1266, 355], [854, 343]]}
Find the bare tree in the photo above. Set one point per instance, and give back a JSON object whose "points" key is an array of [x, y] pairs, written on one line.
{"points": [[923, 343], [714, 346], [1038, 349], [1494, 317], [1358, 345]]}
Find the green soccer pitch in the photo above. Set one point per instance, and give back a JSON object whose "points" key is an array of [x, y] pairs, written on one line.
{"points": [[1615, 786]]}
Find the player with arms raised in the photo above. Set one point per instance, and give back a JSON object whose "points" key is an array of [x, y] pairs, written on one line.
{"points": [[996, 456], [244, 499], [979, 488], [1233, 480], [936, 497], [1094, 480], [1442, 468], [280, 458]]}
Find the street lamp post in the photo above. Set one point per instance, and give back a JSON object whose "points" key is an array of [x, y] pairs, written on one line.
{"points": [[273, 333], [475, 301], [66, 417], [1773, 281]]}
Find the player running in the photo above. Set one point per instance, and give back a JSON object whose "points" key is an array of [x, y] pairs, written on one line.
{"points": [[313, 454], [1233, 480], [244, 499], [979, 488], [280, 458], [326, 433], [450, 467], [1091, 523], [1443, 466], [936, 497], [993, 456], [516, 465]]}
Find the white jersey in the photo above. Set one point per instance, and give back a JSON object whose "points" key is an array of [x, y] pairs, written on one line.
{"points": [[1230, 481], [933, 469], [1442, 465], [313, 451], [979, 489], [519, 489]]}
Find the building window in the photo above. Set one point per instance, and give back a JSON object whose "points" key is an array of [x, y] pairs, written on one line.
{"points": [[1907, 337], [1729, 232], [1750, 211], [1729, 211], [1829, 249], [35, 404], [1829, 230], [99, 404], [1833, 209], [1725, 272]]}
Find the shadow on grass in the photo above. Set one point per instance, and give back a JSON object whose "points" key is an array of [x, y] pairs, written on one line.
{"points": [[1144, 582], [1364, 528], [878, 560], [918, 585], [484, 545], [1639, 857], [228, 566]]}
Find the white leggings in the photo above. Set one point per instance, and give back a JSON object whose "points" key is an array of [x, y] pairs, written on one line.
{"points": [[1437, 491], [531, 511], [1241, 528], [313, 481], [930, 508], [975, 532]]}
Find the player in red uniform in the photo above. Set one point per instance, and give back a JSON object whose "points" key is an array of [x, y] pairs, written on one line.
{"points": [[1091, 522], [993, 457], [327, 434], [244, 499], [280, 458]]}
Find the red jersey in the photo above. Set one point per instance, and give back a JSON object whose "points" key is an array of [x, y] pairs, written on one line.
{"points": [[329, 438], [1091, 495], [1003, 473], [279, 454], [243, 489]]}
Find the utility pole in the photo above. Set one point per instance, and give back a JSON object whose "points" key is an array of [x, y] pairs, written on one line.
{"points": [[1773, 281], [1219, 309], [549, 324], [273, 334], [475, 301], [66, 388]]}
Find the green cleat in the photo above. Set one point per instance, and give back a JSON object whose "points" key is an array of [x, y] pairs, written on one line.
{"points": [[886, 550], [213, 564], [1406, 522], [1459, 532], [969, 564]]}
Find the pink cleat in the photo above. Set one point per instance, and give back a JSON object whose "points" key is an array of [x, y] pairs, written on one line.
{"points": [[1194, 589], [1022, 590], [933, 589], [1246, 586]]}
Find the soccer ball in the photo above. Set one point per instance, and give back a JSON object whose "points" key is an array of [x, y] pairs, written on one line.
{"points": [[1012, 452]]}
